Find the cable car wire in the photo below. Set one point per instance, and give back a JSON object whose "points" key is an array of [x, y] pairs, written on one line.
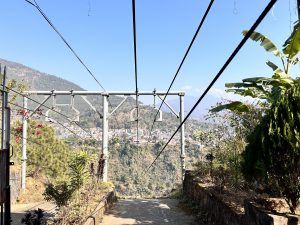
{"points": [[228, 61]]}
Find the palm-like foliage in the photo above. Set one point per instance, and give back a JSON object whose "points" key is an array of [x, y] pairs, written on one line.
{"points": [[268, 88]]}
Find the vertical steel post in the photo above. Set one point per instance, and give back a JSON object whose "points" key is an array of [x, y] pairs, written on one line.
{"points": [[3, 112], [182, 137], [5, 143], [2, 145], [2, 182], [298, 9], [137, 118], [24, 144], [105, 136], [7, 205]]}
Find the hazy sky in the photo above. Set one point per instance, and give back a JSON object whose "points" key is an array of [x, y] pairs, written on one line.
{"points": [[101, 33]]}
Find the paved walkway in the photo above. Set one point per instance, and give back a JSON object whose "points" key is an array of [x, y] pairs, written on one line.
{"points": [[18, 210], [147, 211]]}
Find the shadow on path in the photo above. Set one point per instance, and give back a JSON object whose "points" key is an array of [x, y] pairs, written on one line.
{"points": [[147, 211]]}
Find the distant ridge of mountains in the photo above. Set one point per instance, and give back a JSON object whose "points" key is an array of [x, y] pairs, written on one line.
{"points": [[189, 101], [37, 80]]}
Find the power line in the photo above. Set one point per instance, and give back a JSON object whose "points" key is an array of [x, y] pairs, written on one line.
{"points": [[54, 121], [29, 140], [182, 61], [231, 57], [68, 119], [135, 69], [64, 40], [69, 46]]}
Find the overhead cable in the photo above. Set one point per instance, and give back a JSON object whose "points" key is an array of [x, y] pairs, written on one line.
{"points": [[69, 120], [64, 40], [28, 139], [182, 61], [135, 69], [54, 121], [69, 46], [231, 57]]}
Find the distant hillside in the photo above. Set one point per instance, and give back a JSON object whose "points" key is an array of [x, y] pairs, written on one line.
{"points": [[127, 161], [36, 80]]}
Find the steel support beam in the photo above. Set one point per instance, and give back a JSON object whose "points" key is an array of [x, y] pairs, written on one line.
{"points": [[182, 137], [92, 107], [118, 106], [24, 144], [39, 106], [99, 93], [105, 136], [167, 104]]}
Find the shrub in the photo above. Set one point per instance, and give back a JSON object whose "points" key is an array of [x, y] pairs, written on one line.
{"points": [[35, 218], [78, 171], [274, 149], [60, 193], [281, 145]]}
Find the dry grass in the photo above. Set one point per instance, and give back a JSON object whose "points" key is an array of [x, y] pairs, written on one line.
{"points": [[35, 188]]}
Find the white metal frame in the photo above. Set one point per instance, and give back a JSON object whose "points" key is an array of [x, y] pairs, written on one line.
{"points": [[105, 116]]}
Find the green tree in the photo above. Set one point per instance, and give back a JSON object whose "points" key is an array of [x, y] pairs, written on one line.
{"points": [[273, 152], [281, 144], [77, 173], [45, 152]]}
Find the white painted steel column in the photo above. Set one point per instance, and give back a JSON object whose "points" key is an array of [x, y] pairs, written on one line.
{"points": [[105, 136], [182, 137], [24, 144]]}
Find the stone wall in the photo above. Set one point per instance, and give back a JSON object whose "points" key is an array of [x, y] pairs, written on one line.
{"points": [[218, 213], [256, 215], [105, 203]]}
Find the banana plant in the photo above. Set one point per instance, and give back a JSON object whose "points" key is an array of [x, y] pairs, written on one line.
{"points": [[267, 88]]}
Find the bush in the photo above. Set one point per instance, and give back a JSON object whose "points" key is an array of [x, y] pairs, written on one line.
{"points": [[35, 218], [60, 193], [78, 171], [281, 144], [274, 149]]}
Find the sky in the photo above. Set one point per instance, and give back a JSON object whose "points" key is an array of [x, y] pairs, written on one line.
{"points": [[101, 33]]}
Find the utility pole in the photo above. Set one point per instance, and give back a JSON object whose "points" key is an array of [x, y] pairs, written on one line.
{"points": [[105, 135], [24, 144], [182, 141], [298, 9], [5, 157]]}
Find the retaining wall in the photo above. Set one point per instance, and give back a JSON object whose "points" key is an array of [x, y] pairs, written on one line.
{"points": [[97, 215], [219, 213], [216, 210]]}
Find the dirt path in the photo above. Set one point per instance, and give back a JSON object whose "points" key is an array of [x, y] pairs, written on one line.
{"points": [[18, 210], [147, 211]]}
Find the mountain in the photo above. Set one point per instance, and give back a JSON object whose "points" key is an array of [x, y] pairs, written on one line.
{"points": [[127, 160], [36, 80]]}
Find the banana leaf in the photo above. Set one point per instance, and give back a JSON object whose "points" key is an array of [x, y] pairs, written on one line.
{"points": [[233, 106], [265, 42]]}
